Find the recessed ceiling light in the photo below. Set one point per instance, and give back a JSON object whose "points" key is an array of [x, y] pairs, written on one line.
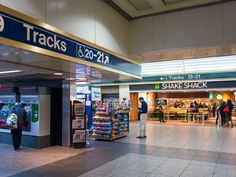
{"points": [[58, 74], [81, 83], [71, 79], [81, 79], [10, 72]]}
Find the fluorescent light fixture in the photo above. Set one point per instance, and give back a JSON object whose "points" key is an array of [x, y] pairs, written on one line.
{"points": [[188, 66], [81, 83], [71, 79], [82, 79], [58, 74], [10, 72]]}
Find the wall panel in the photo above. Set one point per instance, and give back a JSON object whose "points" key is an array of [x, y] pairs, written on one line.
{"points": [[229, 10], [188, 29], [140, 35], [92, 20], [33, 8]]}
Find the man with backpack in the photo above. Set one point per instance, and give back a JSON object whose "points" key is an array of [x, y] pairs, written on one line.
{"points": [[21, 119]]}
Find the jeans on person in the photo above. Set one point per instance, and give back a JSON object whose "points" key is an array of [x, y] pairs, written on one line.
{"points": [[223, 118], [229, 118], [142, 125], [161, 117], [16, 138], [217, 117], [214, 113]]}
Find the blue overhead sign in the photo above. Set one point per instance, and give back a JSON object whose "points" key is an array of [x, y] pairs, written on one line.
{"points": [[206, 76], [28, 33], [186, 77], [195, 85]]}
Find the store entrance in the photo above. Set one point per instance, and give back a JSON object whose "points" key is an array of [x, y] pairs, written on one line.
{"points": [[186, 107]]}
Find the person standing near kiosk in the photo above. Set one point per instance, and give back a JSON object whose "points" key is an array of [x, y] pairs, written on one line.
{"points": [[21, 119], [143, 117]]}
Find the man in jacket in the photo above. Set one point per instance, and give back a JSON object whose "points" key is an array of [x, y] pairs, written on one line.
{"points": [[143, 117], [21, 119]]}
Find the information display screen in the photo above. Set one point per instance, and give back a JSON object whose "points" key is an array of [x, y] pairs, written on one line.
{"points": [[161, 102]]}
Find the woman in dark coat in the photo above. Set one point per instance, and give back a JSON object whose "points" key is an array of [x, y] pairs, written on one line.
{"points": [[229, 112], [222, 113]]}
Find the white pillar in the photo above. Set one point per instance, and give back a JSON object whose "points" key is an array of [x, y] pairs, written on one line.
{"points": [[72, 91]]}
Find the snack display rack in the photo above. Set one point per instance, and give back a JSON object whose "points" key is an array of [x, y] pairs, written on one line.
{"points": [[78, 125], [110, 123], [122, 118]]}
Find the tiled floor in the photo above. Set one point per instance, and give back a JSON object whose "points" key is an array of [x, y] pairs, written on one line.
{"points": [[186, 137], [13, 162], [168, 151], [137, 165]]}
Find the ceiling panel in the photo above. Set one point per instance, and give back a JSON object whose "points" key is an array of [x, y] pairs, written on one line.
{"points": [[133, 9], [140, 4], [174, 1]]}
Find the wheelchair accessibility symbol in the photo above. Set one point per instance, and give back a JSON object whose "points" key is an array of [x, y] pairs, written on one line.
{"points": [[1, 24]]}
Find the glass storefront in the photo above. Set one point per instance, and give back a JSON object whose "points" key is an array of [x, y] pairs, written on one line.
{"points": [[179, 107]]}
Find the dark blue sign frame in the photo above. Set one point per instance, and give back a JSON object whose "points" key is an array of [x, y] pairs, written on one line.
{"points": [[28, 33], [184, 77]]}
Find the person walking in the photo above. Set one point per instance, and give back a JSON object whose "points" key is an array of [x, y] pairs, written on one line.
{"points": [[222, 112], [143, 117], [217, 110], [21, 120], [161, 114], [214, 106], [196, 107], [228, 112]]}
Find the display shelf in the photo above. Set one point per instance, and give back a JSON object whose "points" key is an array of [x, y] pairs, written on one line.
{"points": [[112, 138], [110, 123]]}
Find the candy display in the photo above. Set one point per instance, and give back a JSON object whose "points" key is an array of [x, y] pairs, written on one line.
{"points": [[111, 121]]}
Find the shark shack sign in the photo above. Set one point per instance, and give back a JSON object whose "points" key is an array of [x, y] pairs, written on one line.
{"points": [[181, 86]]}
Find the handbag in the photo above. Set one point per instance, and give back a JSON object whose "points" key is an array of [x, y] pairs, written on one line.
{"points": [[226, 109], [12, 121]]}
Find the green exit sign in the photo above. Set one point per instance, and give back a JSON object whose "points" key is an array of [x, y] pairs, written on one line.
{"points": [[157, 87]]}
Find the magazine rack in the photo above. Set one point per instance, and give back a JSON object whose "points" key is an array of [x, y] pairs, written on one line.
{"points": [[78, 125]]}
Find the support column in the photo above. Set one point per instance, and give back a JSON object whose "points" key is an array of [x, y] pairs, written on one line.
{"points": [[66, 113], [72, 91]]}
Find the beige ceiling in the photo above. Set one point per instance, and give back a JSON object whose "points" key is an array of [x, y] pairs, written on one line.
{"points": [[139, 8]]}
